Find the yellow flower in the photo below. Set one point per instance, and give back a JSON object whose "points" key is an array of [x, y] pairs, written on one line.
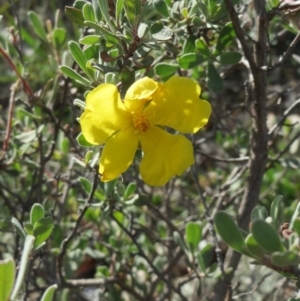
{"points": [[138, 120]]}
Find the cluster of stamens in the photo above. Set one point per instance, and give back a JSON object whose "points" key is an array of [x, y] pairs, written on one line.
{"points": [[140, 122]]}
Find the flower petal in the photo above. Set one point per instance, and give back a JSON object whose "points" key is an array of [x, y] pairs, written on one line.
{"points": [[118, 154], [165, 155], [104, 114], [177, 105], [140, 92]]}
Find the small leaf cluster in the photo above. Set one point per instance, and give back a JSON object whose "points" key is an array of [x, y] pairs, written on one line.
{"points": [[278, 250]]}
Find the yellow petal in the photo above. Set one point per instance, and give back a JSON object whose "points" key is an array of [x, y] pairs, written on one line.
{"points": [[165, 155], [118, 154], [139, 93], [177, 105], [105, 114]]}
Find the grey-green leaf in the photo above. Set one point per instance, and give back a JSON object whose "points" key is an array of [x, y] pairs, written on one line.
{"points": [[37, 212], [253, 247], [161, 7], [18, 227], [37, 25], [229, 231], [88, 12], [259, 212], [284, 259], [42, 230], [266, 236], [275, 210], [74, 75]]}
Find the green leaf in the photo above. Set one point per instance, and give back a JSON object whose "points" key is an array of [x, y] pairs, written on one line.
{"points": [[119, 8], [130, 190], [88, 12], [202, 47], [18, 227], [226, 36], [86, 184], [254, 248], [229, 231], [82, 141], [296, 214], [74, 75], [259, 212], [107, 34], [75, 15], [48, 294], [284, 259], [230, 58], [59, 36], [266, 236], [161, 7], [189, 45], [37, 212], [103, 5], [90, 40], [7, 278], [201, 262], [165, 70], [296, 226], [275, 210], [28, 228], [78, 55], [193, 234], [214, 80], [177, 238], [37, 25], [129, 7], [190, 60], [42, 230]]}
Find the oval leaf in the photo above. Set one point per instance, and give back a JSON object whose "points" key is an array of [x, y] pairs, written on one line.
{"points": [[229, 231], [48, 294], [193, 234], [37, 212], [7, 278], [266, 236], [253, 247], [283, 259], [230, 58], [214, 80], [165, 70], [190, 60], [42, 230]]}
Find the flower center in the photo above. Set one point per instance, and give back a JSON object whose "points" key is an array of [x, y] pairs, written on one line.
{"points": [[140, 122]]}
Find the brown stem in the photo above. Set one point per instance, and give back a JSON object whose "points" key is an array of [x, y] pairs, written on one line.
{"points": [[259, 132]]}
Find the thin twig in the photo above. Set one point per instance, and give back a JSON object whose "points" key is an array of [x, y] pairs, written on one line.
{"points": [[285, 114], [66, 241], [154, 268], [284, 56], [26, 86], [9, 119]]}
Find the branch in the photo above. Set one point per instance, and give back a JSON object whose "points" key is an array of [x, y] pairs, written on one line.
{"points": [[66, 241], [284, 56]]}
